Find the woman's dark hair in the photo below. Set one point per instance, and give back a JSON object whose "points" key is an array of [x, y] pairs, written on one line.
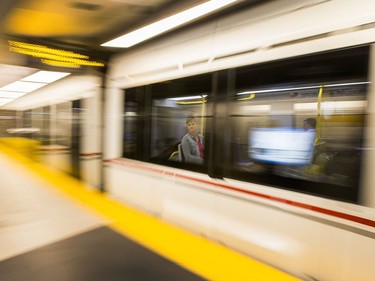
{"points": [[311, 122]]}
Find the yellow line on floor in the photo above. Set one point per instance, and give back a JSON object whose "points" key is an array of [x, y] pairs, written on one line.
{"points": [[199, 255]]}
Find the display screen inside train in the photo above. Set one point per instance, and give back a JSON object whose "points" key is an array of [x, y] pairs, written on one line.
{"points": [[281, 146]]}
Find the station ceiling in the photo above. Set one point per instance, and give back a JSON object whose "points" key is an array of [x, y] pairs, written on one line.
{"points": [[75, 25], [88, 23]]}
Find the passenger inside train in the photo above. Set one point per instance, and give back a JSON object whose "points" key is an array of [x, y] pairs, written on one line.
{"points": [[192, 144], [309, 124]]}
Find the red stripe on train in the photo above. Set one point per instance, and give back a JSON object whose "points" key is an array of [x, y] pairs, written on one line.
{"points": [[336, 214]]}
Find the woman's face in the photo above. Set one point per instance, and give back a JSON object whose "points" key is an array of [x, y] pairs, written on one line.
{"points": [[191, 126]]}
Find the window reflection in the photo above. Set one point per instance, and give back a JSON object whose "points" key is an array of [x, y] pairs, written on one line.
{"points": [[308, 134], [155, 121], [178, 129]]}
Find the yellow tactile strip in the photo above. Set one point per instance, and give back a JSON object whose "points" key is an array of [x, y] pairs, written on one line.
{"points": [[199, 255]]}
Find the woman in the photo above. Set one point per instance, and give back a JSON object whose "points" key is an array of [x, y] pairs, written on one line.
{"points": [[192, 144]]}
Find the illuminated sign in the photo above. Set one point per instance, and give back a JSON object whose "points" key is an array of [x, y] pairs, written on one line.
{"points": [[55, 57]]}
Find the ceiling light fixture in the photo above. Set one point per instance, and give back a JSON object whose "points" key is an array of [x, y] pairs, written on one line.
{"points": [[45, 76], [11, 95], [28, 84], [22, 86], [4, 101], [156, 28]]}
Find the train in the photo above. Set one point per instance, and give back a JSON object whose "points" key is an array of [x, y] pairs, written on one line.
{"points": [[300, 200]]}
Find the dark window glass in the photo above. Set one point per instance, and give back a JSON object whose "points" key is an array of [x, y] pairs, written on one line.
{"points": [[179, 122], [298, 124], [168, 122], [134, 123]]}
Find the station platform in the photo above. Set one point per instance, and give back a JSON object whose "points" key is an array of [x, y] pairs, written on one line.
{"points": [[54, 227]]}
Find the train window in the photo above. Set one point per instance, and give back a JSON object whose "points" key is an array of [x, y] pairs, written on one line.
{"points": [[134, 123], [157, 117], [179, 122], [299, 124], [8, 122], [41, 123], [64, 118]]}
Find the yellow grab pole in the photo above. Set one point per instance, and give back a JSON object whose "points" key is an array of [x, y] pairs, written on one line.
{"points": [[318, 121]]}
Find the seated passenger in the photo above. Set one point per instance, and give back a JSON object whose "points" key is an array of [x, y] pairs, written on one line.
{"points": [[309, 124], [192, 144]]}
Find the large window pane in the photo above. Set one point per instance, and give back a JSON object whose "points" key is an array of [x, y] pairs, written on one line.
{"points": [[155, 122], [303, 133], [179, 120], [169, 126]]}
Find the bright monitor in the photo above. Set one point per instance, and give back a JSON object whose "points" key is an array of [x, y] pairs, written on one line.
{"points": [[282, 145]]}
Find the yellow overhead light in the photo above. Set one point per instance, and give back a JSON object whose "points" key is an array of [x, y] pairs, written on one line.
{"points": [[60, 63], [166, 24], [44, 49], [56, 57]]}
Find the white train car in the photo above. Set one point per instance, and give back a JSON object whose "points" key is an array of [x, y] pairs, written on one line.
{"points": [[67, 118], [302, 201]]}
